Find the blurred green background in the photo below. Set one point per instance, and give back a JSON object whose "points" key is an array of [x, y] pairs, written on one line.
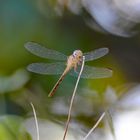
{"points": [[64, 26]]}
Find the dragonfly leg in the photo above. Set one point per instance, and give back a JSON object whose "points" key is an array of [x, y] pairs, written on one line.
{"points": [[75, 69], [80, 63]]}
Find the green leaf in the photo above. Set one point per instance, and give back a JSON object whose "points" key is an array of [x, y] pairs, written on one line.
{"points": [[11, 128]]}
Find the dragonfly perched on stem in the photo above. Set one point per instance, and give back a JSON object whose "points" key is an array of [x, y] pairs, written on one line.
{"points": [[71, 64]]}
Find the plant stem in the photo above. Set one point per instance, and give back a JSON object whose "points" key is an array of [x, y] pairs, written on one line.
{"points": [[36, 122], [72, 99], [93, 128]]}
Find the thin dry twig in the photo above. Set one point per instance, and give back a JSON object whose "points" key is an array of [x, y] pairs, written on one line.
{"points": [[36, 122], [72, 99], [93, 128], [110, 123]]}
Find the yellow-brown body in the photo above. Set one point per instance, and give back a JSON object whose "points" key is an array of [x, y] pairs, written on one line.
{"points": [[72, 62]]}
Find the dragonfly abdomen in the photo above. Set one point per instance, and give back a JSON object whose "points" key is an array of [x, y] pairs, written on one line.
{"points": [[57, 84]]}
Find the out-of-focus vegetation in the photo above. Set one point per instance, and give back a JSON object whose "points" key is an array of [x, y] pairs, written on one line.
{"points": [[11, 128], [66, 25]]}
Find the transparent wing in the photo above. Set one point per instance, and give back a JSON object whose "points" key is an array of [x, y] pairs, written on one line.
{"points": [[92, 72], [44, 52], [47, 68], [95, 54]]}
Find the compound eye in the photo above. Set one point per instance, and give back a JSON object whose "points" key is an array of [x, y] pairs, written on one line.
{"points": [[74, 54]]}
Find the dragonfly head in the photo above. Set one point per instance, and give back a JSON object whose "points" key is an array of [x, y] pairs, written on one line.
{"points": [[78, 54]]}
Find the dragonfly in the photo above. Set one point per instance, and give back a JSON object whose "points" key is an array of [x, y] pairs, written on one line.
{"points": [[66, 64]]}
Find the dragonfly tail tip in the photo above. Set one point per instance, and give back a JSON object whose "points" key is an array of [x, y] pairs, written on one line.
{"points": [[50, 95]]}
